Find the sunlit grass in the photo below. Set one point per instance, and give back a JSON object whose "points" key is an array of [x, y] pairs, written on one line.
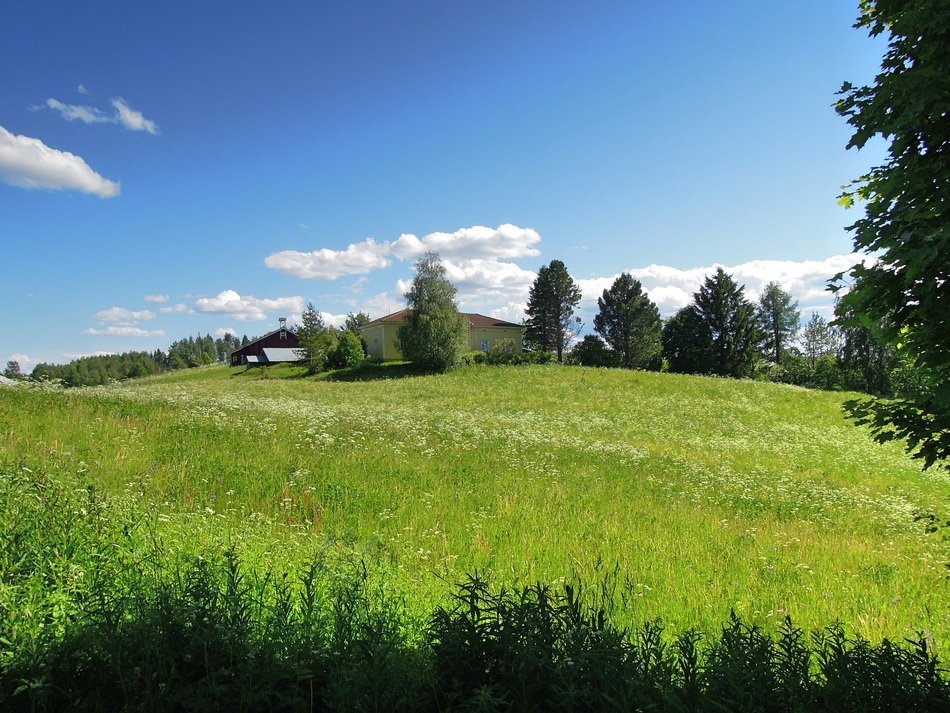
{"points": [[704, 495]]}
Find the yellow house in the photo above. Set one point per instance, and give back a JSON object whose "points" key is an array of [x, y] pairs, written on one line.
{"points": [[483, 332]]}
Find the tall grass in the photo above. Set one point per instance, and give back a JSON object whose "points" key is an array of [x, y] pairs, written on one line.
{"points": [[100, 611], [707, 495]]}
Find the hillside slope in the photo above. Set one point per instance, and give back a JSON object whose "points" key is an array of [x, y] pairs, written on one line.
{"points": [[701, 495]]}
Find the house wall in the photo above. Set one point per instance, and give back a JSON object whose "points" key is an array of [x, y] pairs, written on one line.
{"points": [[381, 340], [477, 335]]}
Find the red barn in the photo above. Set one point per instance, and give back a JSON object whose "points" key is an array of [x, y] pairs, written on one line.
{"points": [[281, 345]]}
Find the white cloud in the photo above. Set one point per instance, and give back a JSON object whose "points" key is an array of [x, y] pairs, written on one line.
{"points": [[123, 115], [475, 243], [326, 264], [29, 163], [74, 112], [156, 298], [382, 303], [177, 309], [124, 332], [221, 331], [21, 358], [511, 312], [671, 288], [248, 307], [82, 89], [357, 285], [132, 119], [488, 282], [333, 320], [121, 315]]}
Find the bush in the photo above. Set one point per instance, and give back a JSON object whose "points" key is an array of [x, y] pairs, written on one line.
{"points": [[348, 352]]}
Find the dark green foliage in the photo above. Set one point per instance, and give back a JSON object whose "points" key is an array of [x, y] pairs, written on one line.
{"points": [[687, 343], [98, 370], [433, 336], [355, 321], [906, 222], [12, 370], [778, 319], [316, 344], [731, 322], [349, 350], [630, 324], [591, 351], [550, 325]]}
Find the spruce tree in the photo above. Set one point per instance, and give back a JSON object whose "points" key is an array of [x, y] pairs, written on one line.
{"points": [[551, 302], [731, 323], [630, 323]]}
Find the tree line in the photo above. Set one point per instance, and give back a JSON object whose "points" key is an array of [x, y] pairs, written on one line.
{"points": [[100, 369]]}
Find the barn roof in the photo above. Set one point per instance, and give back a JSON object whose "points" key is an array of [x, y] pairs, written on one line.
{"points": [[273, 355]]}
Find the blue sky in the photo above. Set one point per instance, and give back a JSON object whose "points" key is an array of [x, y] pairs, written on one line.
{"points": [[182, 168]]}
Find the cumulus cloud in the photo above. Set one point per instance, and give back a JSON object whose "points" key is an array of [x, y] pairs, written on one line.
{"points": [[123, 114], [221, 331], [672, 288], [156, 298], [121, 315], [326, 264], [124, 332], [248, 307], [475, 243], [29, 163]]}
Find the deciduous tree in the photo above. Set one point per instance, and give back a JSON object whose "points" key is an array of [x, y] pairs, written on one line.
{"points": [[433, 336], [13, 370], [906, 222]]}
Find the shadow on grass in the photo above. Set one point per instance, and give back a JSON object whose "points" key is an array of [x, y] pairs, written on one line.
{"points": [[375, 371]]}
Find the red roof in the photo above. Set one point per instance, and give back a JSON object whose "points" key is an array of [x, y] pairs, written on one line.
{"points": [[474, 319]]}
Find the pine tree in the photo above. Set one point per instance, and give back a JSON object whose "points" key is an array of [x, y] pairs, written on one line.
{"points": [[551, 302]]}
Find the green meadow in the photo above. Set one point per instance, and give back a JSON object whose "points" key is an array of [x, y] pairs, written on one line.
{"points": [[683, 497]]}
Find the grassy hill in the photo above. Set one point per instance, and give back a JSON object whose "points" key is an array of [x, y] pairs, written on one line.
{"points": [[687, 497]]}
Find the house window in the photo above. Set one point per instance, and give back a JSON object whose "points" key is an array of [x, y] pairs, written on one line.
{"points": [[484, 345], [283, 334]]}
